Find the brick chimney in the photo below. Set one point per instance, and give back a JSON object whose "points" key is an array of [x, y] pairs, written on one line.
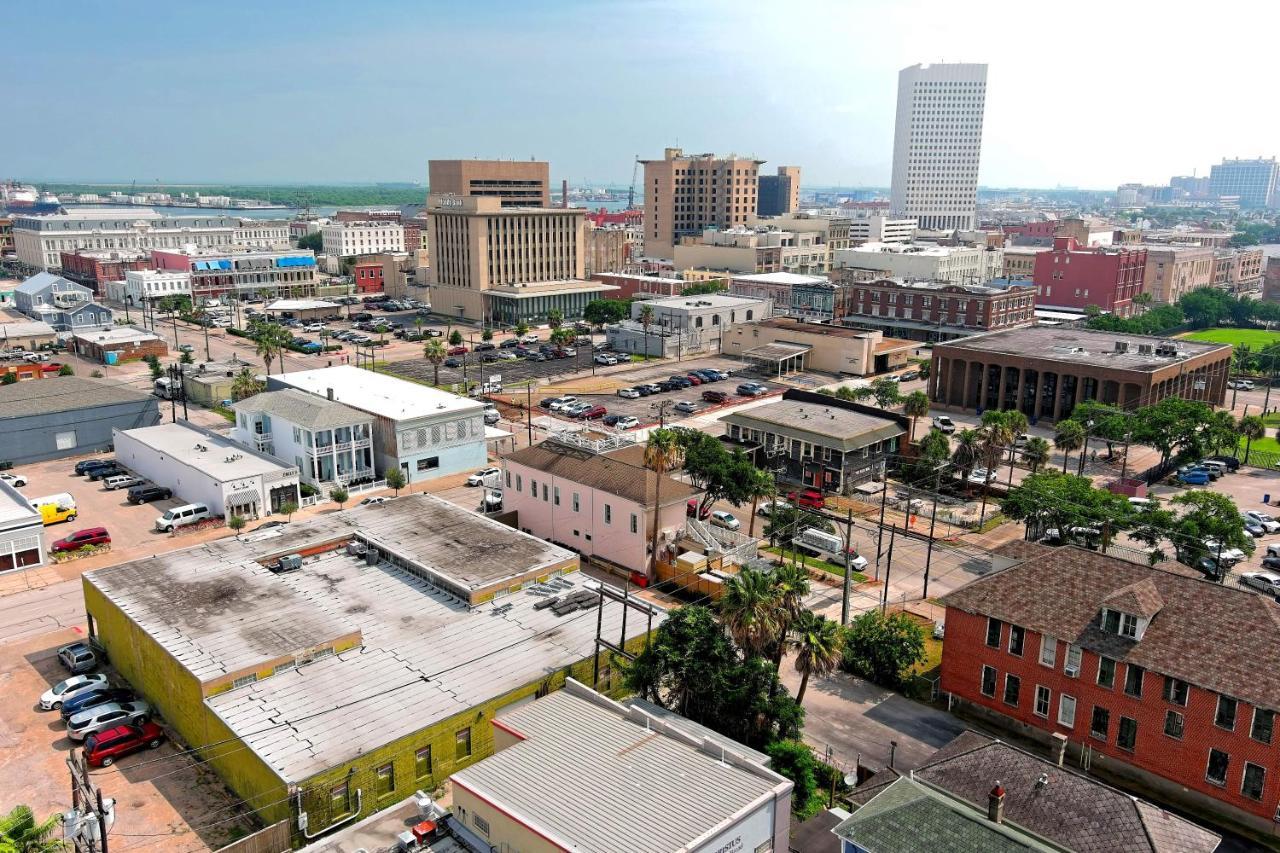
{"points": [[995, 804]]}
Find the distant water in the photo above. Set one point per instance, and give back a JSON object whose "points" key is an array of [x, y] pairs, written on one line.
{"points": [[291, 212]]}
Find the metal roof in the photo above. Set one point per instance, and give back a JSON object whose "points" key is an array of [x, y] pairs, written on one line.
{"points": [[379, 394], [818, 423], [303, 409], [63, 394], [623, 780], [215, 455]]}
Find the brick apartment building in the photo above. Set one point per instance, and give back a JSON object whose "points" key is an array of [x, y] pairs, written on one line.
{"points": [[1174, 271], [368, 274], [1140, 669], [94, 269], [1238, 270], [1072, 276], [933, 310]]}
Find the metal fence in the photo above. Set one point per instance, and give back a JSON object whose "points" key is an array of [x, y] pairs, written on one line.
{"points": [[352, 491]]}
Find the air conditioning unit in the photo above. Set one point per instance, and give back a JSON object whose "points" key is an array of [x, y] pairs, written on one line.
{"points": [[1071, 671], [1145, 349], [1122, 346]]}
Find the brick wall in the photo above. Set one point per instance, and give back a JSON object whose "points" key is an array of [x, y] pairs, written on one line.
{"points": [[1181, 760]]}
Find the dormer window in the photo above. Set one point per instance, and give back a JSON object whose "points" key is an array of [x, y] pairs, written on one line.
{"points": [[1124, 624]]}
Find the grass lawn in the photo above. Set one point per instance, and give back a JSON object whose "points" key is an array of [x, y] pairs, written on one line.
{"points": [[819, 563], [1257, 339], [1268, 444]]}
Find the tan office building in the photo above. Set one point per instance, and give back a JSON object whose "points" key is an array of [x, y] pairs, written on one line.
{"points": [[781, 345], [683, 196], [498, 265], [1174, 271], [519, 183]]}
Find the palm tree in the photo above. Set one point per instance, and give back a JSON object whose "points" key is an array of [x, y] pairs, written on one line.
{"points": [[245, 385], [916, 405], [1035, 453], [791, 585], [967, 452], [1252, 427], [662, 453], [759, 485], [819, 648], [555, 318], [268, 345], [1070, 437], [749, 611], [433, 351], [646, 320], [19, 832]]}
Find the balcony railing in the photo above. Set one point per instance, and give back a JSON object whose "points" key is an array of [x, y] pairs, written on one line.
{"points": [[338, 446]]}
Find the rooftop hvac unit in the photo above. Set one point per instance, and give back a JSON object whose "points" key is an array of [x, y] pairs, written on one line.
{"points": [[371, 557], [1122, 346], [1145, 349], [355, 548]]}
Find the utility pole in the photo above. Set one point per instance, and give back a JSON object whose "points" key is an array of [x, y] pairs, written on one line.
{"points": [[90, 811], [888, 567], [173, 400], [884, 496], [848, 566], [528, 408], [933, 521]]}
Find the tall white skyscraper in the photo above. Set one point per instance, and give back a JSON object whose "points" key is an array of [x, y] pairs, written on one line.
{"points": [[937, 143]]}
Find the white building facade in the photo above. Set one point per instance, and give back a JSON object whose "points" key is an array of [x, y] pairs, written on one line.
{"points": [[40, 239], [262, 234], [924, 261], [349, 239], [331, 444], [937, 144], [881, 229], [142, 286]]}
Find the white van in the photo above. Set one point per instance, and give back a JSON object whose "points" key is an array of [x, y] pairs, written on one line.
{"points": [[831, 547], [181, 516]]}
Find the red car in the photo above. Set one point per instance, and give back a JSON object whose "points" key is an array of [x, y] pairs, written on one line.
{"points": [[715, 396], [459, 350], [593, 413], [811, 498], [691, 510], [102, 748], [81, 538], [696, 380]]}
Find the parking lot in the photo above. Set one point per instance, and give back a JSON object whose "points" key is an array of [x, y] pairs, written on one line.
{"points": [[477, 369], [164, 799]]}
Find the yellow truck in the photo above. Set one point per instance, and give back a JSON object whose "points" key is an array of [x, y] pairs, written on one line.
{"points": [[55, 508]]}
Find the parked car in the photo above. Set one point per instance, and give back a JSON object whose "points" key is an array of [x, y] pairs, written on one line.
{"points": [[15, 480], [1240, 384], [509, 343], [628, 393], [559, 404], [1269, 524], [374, 500], [101, 749], [181, 516], [811, 498], [649, 387], [82, 538], [507, 355], [537, 356], [453, 362], [186, 348], [458, 350], [1266, 581], [909, 375], [720, 518], [478, 478], [85, 465], [102, 472], [626, 422], [102, 717], [768, 508], [103, 694], [611, 420], [944, 424], [575, 410], [120, 481], [1232, 463], [491, 417], [52, 699], [592, 412], [643, 391], [715, 396], [981, 476], [751, 389], [1194, 478], [1224, 553], [485, 346], [78, 657], [1252, 527], [1273, 550], [693, 508], [607, 360], [694, 378], [686, 406], [148, 492]]}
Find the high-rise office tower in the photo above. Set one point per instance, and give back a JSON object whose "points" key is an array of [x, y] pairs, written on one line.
{"points": [[937, 144], [1252, 181], [519, 183], [685, 194], [779, 194]]}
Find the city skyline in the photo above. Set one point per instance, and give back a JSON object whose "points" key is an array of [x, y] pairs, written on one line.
{"points": [[176, 96]]}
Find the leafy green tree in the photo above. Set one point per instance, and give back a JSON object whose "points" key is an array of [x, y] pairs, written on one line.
{"points": [[1108, 423], [487, 334], [883, 649], [186, 358], [721, 474], [886, 391], [339, 495], [1035, 453], [236, 523], [1252, 427], [854, 395], [916, 405], [1173, 426], [455, 338], [555, 318], [245, 385], [314, 242], [66, 370], [396, 480], [794, 760], [1151, 525], [1070, 438], [1208, 517], [9, 379], [786, 523], [21, 833], [791, 587], [756, 486], [714, 285], [287, 509], [1064, 501], [600, 312], [819, 647], [153, 362], [933, 451]]}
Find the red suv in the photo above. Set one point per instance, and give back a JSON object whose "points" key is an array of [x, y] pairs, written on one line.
{"points": [[811, 498], [715, 396], [459, 350], [81, 538], [104, 747], [593, 413], [696, 380]]}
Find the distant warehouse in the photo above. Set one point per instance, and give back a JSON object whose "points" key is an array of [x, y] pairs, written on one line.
{"points": [[67, 416]]}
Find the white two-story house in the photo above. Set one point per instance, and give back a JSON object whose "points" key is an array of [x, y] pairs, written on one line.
{"points": [[329, 443]]}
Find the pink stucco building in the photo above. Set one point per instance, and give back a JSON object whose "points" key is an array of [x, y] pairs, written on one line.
{"points": [[599, 504]]}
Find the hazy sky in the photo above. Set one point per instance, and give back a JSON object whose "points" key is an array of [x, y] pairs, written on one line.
{"points": [[1086, 94]]}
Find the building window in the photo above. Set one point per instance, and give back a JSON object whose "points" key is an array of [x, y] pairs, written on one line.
{"points": [[386, 779], [1067, 711], [1012, 686], [555, 496], [519, 484], [1133, 680], [1048, 651], [1100, 723], [1225, 718], [65, 440], [1263, 725], [339, 800], [1175, 691], [1216, 772], [429, 463], [1042, 701], [1017, 637], [422, 762], [1174, 724], [244, 680], [462, 744], [481, 825], [1127, 736], [993, 632], [1106, 673], [1072, 667], [533, 488], [575, 501], [508, 476], [988, 681], [608, 514], [545, 496], [635, 523], [1254, 778]]}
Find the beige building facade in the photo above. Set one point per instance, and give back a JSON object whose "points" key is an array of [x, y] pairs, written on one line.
{"points": [[518, 183], [829, 349], [1020, 261], [607, 249], [684, 195], [1238, 270], [1174, 271], [500, 265]]}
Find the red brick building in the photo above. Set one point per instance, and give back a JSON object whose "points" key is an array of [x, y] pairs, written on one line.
{"points": [[94, 269], [932, 310], [1070, 276], [1158, 677], [368, 275], [634, 284], [602, 217]]}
